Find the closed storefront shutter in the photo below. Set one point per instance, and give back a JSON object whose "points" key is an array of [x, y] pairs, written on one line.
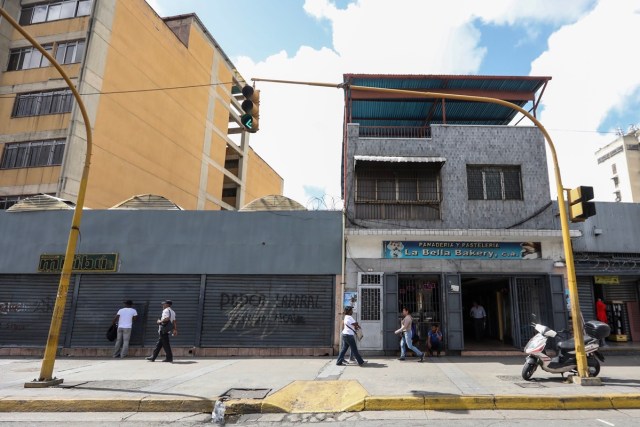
{"points": [[100, 297], [268, 311], [26, 307], [625, 291], [585, 297]]}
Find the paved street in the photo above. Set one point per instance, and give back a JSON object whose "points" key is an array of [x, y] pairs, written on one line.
{"points": [[192, 385]]}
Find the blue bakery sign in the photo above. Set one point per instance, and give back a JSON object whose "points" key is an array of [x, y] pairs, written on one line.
{"points": [[462, 250]]}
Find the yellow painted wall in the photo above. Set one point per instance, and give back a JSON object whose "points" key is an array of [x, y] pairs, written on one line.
{"points": [[262, 180], [150, 142], [29, 176]]}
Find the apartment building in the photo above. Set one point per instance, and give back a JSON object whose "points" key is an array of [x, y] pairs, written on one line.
{"points": [[447, 203], [620, 161], [162, 98]]}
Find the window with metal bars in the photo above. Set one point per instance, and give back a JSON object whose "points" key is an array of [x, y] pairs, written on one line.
{"points": [[397, 190], [494, 182], [42, 103], [32, 154]]}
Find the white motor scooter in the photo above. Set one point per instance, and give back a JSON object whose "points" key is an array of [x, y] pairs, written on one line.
{"points": [[565, 361]]}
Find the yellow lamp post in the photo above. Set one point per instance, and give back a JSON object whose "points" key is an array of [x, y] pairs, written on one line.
{"points": [[583, 371], [46, 372]]}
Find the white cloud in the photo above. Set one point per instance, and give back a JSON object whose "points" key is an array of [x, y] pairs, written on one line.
{"points": [[590, 62]]}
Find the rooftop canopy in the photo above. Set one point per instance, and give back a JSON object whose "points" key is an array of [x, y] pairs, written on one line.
{"points": [[385, 110]]}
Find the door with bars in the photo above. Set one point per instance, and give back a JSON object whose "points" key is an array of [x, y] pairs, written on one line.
{"points": [[530, 298], [370, 310]]}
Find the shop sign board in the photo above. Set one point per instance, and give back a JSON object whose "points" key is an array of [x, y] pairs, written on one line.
{"points": [[95, 263], [606, 280], [462, 250]]}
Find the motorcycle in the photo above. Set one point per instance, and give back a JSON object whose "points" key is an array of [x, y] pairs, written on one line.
{"points": [[565, 359]]}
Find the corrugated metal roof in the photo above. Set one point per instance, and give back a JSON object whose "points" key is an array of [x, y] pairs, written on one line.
{"points": [[273, 203], [402, 110], [400, 159], [42, 202], [148, 202]]}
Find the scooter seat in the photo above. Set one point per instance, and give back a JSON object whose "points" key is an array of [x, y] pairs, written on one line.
{"points": [[570, 344]]}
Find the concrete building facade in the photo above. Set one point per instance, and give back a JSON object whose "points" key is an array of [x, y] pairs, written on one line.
{"points": [[620, 162], [444, 213], [162, 98]]}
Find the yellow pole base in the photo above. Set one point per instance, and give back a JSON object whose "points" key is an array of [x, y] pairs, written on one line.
{"points": [[43, 384], [586, 381]]}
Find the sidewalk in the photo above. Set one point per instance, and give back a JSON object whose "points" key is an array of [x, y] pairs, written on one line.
{"points": [[309, 384]]}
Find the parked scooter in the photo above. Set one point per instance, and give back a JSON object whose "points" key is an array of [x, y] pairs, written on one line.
{"points": [[565, 361]]}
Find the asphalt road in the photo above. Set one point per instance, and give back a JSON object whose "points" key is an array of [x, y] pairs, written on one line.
{"points": [[582, 418]]}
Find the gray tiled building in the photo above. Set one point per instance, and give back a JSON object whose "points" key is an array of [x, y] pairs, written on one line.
{"points": [[447, 204]]}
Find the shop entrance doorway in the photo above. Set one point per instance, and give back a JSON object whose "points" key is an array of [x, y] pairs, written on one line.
{"points": [[494, 295]]}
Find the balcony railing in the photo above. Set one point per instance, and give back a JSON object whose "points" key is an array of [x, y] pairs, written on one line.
{"points": [[395, 132]]}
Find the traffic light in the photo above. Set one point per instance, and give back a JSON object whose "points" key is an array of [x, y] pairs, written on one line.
{"points": [[250, 106], [580, 208]]}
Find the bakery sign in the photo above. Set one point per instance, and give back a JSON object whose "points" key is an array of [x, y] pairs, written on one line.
{"points": [[461, 250]]}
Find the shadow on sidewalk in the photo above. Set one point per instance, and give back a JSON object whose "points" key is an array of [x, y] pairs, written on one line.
{"points": [[370, 364]]}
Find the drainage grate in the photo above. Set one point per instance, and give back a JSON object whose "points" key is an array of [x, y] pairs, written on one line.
{"points": [[530, 385], [247, 393], [510, 378]]}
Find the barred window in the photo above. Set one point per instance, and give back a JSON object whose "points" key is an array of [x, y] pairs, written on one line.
{"points": [[32, 154], [54, 10], [397, 191], [70, 52], [42, 103], [28, 57], [494, 182]]}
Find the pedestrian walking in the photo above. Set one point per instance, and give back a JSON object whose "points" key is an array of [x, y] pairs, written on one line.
{"points": [[124, 319], [349, 338], [167, 325], [479, 317], [407, 336], [434, 340]]}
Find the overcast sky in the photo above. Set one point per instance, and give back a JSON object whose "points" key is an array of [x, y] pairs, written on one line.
{"points": [[588, 47]]}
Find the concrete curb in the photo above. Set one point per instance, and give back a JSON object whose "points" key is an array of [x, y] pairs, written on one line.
{"points": [[369, 403]]}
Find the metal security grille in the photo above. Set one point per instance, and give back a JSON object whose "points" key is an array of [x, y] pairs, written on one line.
{"points": [[397, 191], [26, 307], [370, 303], [586, 297], [370, 279], [100, 297], [268, 311], [494, 182], [421, 296], [530, 299]]}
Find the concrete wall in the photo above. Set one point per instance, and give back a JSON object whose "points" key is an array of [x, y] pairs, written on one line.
{"points": [[261, 179], [462, 145], [618, 225], [181, 242]]}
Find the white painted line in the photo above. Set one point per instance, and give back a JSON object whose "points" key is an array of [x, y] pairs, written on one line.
{"points": [[603, 421]]}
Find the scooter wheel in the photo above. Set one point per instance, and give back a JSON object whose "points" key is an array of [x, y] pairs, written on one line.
{"points": [[594, 366], [528, 369]]}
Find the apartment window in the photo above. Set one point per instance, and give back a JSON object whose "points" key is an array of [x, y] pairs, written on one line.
{"points": [[54, 10], [616, 181], [42, 103], [408, 191], [229, 192], [618, 196], [28, 57], [70, 52], [32, 154], [494, 182], [614, 169]]}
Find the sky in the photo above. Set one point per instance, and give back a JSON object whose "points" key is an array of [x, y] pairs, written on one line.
{"points": [[586, 46]]}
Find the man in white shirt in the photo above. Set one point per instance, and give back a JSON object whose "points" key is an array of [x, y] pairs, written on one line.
{"points": [[479, 318], [167, 326], [124, 319]]}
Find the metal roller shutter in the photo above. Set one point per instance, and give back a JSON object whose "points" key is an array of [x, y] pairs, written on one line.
{"points": [[26, 307], [586, 298], [625, 291], [100, 297], [268, 311]]}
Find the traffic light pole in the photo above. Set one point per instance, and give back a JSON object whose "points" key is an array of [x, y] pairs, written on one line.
{"points": [[583, 371], [46, 372]]}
